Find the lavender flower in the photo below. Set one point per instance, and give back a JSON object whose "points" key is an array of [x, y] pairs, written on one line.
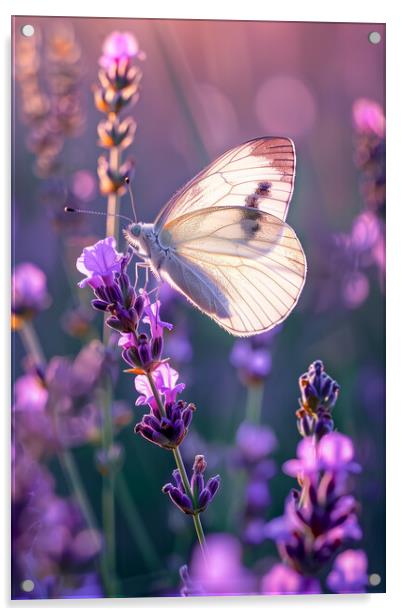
{"points": [[50, 540], [223, 573], [254, 444], [189, 588], [29, 291], [319, 393], [99, 262], [119, 46], [201, 494], [349, 572], [252, 357], [282, 580], [49, 74], [166, 431], [321, 517], [141, 338], [119, 81], [57, 406]]}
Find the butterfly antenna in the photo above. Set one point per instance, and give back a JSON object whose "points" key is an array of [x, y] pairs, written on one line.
{"points": [[79, 211], [130, 192]]}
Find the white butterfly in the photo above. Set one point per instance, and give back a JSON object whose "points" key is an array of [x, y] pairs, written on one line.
{"points": [[222, 240]]}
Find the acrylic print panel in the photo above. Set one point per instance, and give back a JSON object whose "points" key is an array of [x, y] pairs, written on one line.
{"points": [[199, 402]]}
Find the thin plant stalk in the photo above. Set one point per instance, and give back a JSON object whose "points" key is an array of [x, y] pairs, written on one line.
{"points": [[136, 525], [255, 394], [183, 473], [108, 481], [32, 345], [113, 202], [108, 497]]}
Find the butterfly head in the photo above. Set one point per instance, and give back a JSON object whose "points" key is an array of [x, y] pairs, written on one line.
{"points": [[139, 236], [135, 229]]}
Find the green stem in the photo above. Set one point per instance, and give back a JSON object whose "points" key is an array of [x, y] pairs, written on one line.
{"points": [[32, 345], [70, 468], [108, 498], [182, 470], [113, 202], [136, 526], [108, 483], [255, 395]]}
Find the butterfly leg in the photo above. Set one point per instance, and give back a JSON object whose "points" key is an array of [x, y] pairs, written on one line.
{"points": [[139, 265]]}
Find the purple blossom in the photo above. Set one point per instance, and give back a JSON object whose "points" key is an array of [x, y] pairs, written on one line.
{"points": [[152, 318], [29, 290], [282, 580], [349, 572], [253, 446], [319, 393], [334, 453], [30, 394], [201, 493], [169, 430], [224, 573], [49, 534], [119, 46], [254, 443], [317, 388], [99, 262], [317, 521], [368, 117], [252, 361], [321, 517], [165, 378]]}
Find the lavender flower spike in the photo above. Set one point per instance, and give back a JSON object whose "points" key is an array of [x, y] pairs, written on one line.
{"points": [[167, 432], [201, 494], [319, 393]]}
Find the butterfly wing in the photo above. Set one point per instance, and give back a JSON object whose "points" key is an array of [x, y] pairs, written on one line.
{"points": [[259, 173], [243, 267]]}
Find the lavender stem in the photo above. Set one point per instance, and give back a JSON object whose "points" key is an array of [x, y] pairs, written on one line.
{"points": [[108, 484], [255, 395], [136, 525], [31, 343], [113, 202], [182, 470]]}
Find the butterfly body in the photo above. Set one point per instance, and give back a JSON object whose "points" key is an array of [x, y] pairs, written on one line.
{"points": [[223, 243]]}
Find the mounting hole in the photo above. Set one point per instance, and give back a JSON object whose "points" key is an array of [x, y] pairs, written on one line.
{"points": [[374, 38], [28, 30], [375, 579], [27, 585]]}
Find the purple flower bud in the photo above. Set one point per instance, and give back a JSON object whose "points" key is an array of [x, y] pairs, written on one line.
{"points": [[179, 498], [200, 464], [156, 347], [213, 484], [204, 499], [115, 323], [139, 305], [99, 305], [29, 291], [144, 351]]}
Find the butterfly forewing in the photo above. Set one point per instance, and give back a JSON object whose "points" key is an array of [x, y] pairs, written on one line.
{"points": [[244, 267], [259, 173]]}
